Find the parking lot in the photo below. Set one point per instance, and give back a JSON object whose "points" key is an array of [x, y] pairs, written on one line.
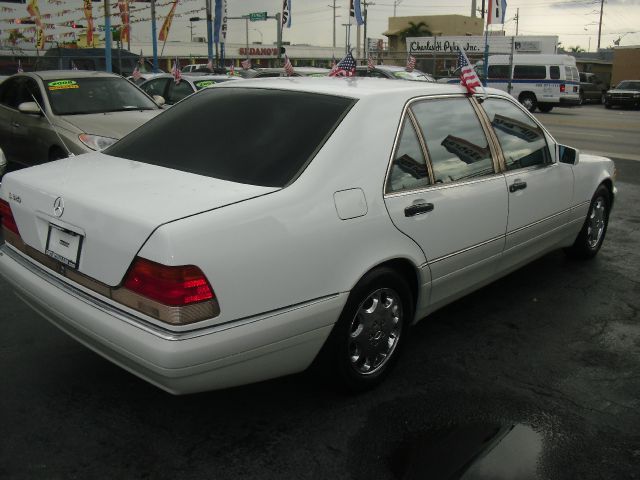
{"points": [[552, 350]]}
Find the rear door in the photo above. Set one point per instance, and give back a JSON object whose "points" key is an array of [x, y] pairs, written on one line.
{"points": [[32, 133], [444, 191]]}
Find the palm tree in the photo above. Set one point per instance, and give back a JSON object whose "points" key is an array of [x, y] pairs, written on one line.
{"points": [[420, 29], [576, 49]]}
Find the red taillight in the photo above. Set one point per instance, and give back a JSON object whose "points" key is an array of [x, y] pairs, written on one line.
{"points": [[563, 88], [7, 217], [173, 286]]}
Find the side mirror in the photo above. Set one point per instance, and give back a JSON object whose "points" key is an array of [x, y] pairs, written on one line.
{"points": [[159, 99], [568, 155], [29, 107]]}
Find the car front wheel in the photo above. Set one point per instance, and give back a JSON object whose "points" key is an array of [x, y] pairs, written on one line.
{"points": [[365, 342], [591, 237]]}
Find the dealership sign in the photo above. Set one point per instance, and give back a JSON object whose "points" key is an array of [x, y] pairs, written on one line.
{"points": [[258, 52], [475, 44]]}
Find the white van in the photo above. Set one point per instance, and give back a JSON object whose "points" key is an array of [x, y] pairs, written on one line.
{"points": [[539, 81]]}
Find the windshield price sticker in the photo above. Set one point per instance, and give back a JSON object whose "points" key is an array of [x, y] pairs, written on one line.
{"points": [[205, 83], [63, 85]]}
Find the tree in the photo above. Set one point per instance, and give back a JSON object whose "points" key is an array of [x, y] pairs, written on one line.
{"points": [[576, 49], [420, 29]]}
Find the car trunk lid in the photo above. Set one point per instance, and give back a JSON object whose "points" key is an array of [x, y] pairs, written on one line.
{"points": [[110, 206]]}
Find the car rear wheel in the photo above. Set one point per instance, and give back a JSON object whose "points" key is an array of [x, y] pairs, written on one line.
{"points": [[365, 342], [591, 237], [529, 101]]}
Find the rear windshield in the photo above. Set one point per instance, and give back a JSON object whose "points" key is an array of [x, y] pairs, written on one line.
{"points": [[246, 135]]}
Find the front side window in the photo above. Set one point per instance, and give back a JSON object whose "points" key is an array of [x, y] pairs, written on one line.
{"points": [[409, 169], [269, 146], [457, 146], [178, 91], [156, 86], [522, 140], [9, 92]]}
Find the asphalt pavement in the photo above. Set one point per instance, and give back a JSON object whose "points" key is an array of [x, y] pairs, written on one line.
{"points": [[545, 361]]}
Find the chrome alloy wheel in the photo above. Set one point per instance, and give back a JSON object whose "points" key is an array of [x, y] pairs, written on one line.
{"points": [[596, 222], [375, 331]]}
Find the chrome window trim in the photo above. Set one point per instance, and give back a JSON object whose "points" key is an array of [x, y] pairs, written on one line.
{"points": [[441, 186], [423, 143], [141, 323]]}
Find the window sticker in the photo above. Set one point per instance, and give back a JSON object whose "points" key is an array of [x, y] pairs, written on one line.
{"points": [[204, 83], [63, 85]]}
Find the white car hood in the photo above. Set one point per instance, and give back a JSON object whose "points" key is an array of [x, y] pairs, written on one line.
{"points": [[114, 203], [111, 124]]}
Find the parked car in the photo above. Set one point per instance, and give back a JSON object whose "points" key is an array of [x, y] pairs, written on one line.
{"points": [[625, 94], [165, 86], [122, 61], [47, 115], [393, 72], [318, 230], [592, 88], [279, 72]]}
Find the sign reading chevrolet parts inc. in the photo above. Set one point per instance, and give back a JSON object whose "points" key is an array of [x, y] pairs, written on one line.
{"points": [[475, 44]]}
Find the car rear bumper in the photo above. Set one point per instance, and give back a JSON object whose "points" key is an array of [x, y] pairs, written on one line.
{"points": [[240, 352]]}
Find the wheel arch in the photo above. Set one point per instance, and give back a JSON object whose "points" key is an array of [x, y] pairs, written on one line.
{"points": [[608, 183]]}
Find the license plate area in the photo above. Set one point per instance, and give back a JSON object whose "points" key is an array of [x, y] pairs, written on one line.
{"points": [[64, 245]]}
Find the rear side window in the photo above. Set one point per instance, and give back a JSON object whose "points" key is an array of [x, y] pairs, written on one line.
{"points": [[245, 135], [499, 71], [409, 169], [530, 72], [554, 72]]}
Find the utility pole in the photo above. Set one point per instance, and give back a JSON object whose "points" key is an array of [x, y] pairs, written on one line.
{"points": [[517, 20], [366, 40], [334, 22], [482, 12], [107, 35], [474, 6], [154, 37], [600, 25], [210, 33]]}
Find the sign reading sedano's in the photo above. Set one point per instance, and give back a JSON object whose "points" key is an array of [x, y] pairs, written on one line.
{"points": [[475, 44], [258, 52]]}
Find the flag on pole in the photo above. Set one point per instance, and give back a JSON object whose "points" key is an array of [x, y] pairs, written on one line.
{"points": [[496, 11], [288, 67], [468, 76], [20, 70], [175, 71], [246, 64], [164, 31], [232, 70], [345, 67], [411, 63], [88, 15], [286, 13], [123, 6], [370, 63], [34, 11], [356, 12]]}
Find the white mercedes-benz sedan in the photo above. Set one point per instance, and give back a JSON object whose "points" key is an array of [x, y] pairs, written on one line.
{"points": [[265, 225]]}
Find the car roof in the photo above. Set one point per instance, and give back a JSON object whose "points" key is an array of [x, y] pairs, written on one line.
{"points": [[65, 74], [353, 87]]}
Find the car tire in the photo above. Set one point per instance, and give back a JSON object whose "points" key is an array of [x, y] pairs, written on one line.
{"points": [[591, 237], [545, 108], [56, 153], [603, 98], [367, 339], [529, 101]]}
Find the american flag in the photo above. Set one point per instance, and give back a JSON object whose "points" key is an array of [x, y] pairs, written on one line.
{"points": [[345, 67], [175, 71], [370, 63], [210, 64], [136, 74], [288, 68], [411, 63], [232, 70], [468, 76], [20, 70], [246, 64]]}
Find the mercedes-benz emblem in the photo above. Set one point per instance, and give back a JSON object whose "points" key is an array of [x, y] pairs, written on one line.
{"points": [[58, 207]]}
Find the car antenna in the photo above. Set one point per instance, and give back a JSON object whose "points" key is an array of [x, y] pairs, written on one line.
{"points": [[70, 154]]}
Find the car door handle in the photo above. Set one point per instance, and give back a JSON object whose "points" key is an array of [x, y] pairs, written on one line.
{"points": [[417, 209], [517, 185]]}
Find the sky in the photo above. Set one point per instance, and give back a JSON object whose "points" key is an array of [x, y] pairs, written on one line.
{"points": [[574, 21]]}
